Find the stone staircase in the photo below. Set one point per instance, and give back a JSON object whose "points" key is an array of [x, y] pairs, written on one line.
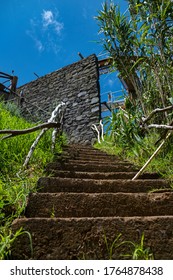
{"points": [[86, 201]]}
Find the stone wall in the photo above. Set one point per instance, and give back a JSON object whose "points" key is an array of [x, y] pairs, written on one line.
{"points": [[78, 86]]}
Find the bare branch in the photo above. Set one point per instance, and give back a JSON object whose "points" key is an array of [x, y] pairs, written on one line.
{"points": [[55, 112], [157, 110], [13, 133], [161, 126], [102, 130], [54, 136], [34, 146], [94, 127], [164, 133], [52, 118]]}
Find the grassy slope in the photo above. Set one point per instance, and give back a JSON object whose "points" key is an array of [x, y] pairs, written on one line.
{"points": [[139, 154], [14, 189]]}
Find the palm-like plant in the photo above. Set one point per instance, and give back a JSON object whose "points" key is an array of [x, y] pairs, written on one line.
{"points": [[140, 44], [123, 125]]}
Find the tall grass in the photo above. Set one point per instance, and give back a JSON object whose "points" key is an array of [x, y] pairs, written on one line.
{"points": [[14, 150], [140, 152], [144, 33], [15, 189]]}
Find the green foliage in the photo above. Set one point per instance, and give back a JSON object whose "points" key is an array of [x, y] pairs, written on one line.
{"points": [[14, 186], [62, 141], [7, 238], [119, 248], [14, 150], [134, 250], [123, 126], [140, 44], [138, 251], [12, 108], [13, 195], [140, 152], [113, 246]]}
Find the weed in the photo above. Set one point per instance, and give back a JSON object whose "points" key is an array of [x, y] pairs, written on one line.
{"points": [[139, 252], [52, 214], [139, 154], [12, 108], [7, 240], [149, 85], [14, 189], [113, 246]]}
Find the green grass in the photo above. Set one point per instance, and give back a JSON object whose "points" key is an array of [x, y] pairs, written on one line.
{"points": [[138, 251], [8, 238], [138, 154], [14, 150], [133, 250], [120, 248], [14, 186]]}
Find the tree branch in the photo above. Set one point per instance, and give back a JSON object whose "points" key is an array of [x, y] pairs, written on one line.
{"points": [[157, 110], [13, 133], [99, 130], [94, 127], [160, 126], [34, 146], [102, 130], [53, 117]]}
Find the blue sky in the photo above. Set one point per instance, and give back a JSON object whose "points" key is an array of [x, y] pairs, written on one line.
{"points": [[41, 36]]}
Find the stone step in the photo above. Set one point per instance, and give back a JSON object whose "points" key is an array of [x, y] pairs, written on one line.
{"points": [[100, 162], [94, 153], [55, 184], [80, 148], [85, 151], [101, 175], [92, 159], [92, 199], [87, 238], [64, 205], [90, 167]]}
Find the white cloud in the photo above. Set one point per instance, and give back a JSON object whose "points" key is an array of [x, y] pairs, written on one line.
{"points": [[32, 34], [47, 17], [46, 32], [58, 27], [49, 20], [39, 45]]}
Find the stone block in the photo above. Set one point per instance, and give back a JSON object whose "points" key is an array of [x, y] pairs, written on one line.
{"points": [[95, 109], [94, 100], [77, 86]]}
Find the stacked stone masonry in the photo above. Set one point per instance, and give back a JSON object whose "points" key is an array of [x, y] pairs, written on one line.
{"points": [[78, 86]]}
